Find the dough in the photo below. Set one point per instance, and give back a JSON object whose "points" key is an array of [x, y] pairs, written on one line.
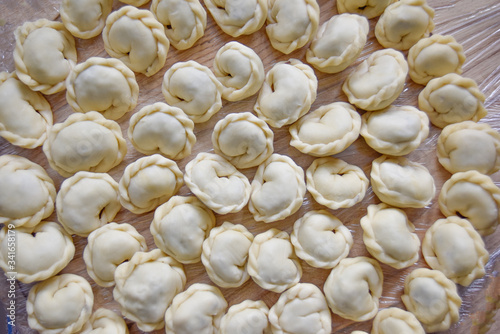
{"points": [[104, 321], [85, 18], [394, 320], [367, 8], [247, 317]]}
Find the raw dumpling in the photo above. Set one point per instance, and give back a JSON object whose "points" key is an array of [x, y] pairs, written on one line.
{"points": [[328, 130], [367, 8], [377, 82], [278, 189], [180, 226], [85, 142], [87, 201], [25, 115], [104, 321], [287, 94], [247, 317], [85, 19], [148, 182], [243, 139], [105, 85], [389, 236], [338, 43], [394, 320], [136, 38], [320, 239]]}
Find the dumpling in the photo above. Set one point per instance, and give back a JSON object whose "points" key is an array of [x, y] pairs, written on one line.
{"points": [[60, 304], [404, 23], [291, 24], [106, 321], [108, 247], [475, 197], [394, 320], [85, 19], [335, 183], [320, 239], [28, 193], [328, 130], [389, 236], [105, 85], [400, 182], [180, 226], [194, 89], [237, 17], [395, 130], [40, 252], [225, 254], [217, 183], [247, 317], [353, 288], [338, 43], [377, 81], [302, 309], [85, 142], [136, 38], [432, 298], [184, 21], [87, 201], [198, 309], [272, 262], [278, 189], [367, 8], [452, 99], [287, 94], [468, 146], [145, 287], [452, 246], [149, 182], [44, 55], [243, 139], [25, 115], [240, 71]]}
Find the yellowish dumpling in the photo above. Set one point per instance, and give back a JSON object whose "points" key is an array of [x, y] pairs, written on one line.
{"points": [[247, 317], [105, 321], [85, 19], [367, 8], [394, 320]]}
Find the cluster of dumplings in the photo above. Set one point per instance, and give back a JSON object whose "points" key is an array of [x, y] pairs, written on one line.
{"points": [[150, 284]]}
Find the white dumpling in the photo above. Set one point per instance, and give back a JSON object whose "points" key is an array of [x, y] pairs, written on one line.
{"points": [[105, 321], [367, 8], [394, 320], [85, 18], [247, 317]]}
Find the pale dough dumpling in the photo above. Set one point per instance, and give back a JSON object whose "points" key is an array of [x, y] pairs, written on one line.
{"points": [[377, 81], [432, 298], [468, 146], [238, 17], [28, 193], [395, 130], [278, 189], [194, 89], [291, 24], [149, 182], [217, 183], [108, 247], [60, 305], [394, 320], [287, 94], [338, 43], [145, 287], [198, 309], [452, 99], [404, 23], [225, 254], [44, 55], [85, 19], [105, 85], [320, 239], [328, 130], [184, 21], [400, 182], [272, 262], [40, 252], [243, 139], [85, 142], [353, 288], [452, 246], [389, 236], [25, 115], [240, 71], [367, 8], [247, 317], [475, 197], [302, 309], [136, 38], [180, 226], [87, 201], [104, 321]]}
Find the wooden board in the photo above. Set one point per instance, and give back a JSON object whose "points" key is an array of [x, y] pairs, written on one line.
{"points": [[474, 24]]}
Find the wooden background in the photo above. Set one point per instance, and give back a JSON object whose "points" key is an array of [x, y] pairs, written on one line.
{"points": [[474, 24]]}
